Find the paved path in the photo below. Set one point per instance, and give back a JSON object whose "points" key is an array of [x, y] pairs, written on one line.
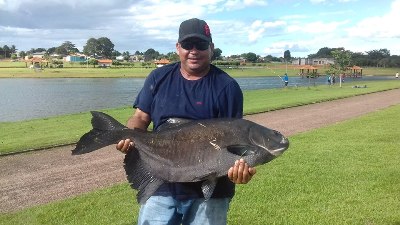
{"points": [[40, 177]]}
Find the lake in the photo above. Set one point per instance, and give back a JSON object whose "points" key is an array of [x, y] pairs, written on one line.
{"points": [[30, 98]]}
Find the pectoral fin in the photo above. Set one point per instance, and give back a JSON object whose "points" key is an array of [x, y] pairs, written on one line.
{"points": [[208, 187]]}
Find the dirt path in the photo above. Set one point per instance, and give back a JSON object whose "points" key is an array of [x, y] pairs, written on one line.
{"points": [[40, 177]]}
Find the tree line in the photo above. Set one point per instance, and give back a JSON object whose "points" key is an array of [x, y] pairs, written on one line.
{"points": [[104, 48], [373, 58]]}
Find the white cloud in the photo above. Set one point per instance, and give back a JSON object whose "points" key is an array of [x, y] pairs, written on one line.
{"points": [[317, 1], [318, 27], [385, 26], [258, 29], [240, 4]]}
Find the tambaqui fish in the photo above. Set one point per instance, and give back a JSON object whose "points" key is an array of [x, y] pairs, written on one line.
{"points": [[184, 151]]}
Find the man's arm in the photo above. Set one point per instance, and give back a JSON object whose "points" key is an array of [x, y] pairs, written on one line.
{"points": [[139, 120]]}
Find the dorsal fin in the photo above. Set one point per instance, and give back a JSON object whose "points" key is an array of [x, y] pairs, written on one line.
{"points": [[102, 121]]}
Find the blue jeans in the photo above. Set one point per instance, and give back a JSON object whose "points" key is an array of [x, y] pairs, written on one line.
{"points": [[161, 210]]}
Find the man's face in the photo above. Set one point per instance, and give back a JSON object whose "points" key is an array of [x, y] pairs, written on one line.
{"points": [[195, 55]]}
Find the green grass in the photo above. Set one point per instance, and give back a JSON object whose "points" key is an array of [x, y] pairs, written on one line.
{"points": [[272, 99], [74, 72], [343, 174], [19, 70], [40, 133], [347, 173]]}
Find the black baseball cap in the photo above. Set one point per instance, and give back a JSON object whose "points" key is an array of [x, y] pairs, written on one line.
{"points": [[194, 28]]}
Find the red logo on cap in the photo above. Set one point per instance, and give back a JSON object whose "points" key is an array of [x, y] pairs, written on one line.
{"points": [[207, 30]]}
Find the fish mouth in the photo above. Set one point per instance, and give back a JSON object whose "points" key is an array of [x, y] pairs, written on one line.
{"points": [[270, 143], [279, 151]]}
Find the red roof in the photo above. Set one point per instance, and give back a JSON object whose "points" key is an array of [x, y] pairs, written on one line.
{"points": [[308, 67], [162, 61], [104, 61], [355, 68]]}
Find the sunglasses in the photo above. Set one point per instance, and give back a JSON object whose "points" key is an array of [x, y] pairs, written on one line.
{"points": [[199, 45]]}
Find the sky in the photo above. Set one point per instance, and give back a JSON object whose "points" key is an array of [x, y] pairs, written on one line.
{"points": [[237, 26]]}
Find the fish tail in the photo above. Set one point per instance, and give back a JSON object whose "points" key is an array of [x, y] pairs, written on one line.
{"points": [[106, 131]]}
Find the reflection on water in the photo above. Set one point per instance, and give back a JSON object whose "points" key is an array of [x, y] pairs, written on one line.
{"points": [[29, 98]]}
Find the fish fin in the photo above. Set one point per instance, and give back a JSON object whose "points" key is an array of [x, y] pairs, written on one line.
{"points": [[173, 122], [102, 121], [208, 186], [147, 191], [241, 150], [100, 136], [139, 177]]}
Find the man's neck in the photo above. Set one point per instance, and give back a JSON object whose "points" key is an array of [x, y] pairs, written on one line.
{"points": [[194, 75]]}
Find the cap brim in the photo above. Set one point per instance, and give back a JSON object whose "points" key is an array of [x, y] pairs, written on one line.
{"points": [[203, 37]]}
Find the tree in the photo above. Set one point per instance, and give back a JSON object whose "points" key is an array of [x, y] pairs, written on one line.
{"points": [[90, 49], [126, 55], [342, 61], [377, 55], [172, 56], [150, 54], [6, 51], [66, 48], [287, 56], [250, 57], [22, 54], [51, 50], [106, 47], [115, 54], [216, 54], [102, 46]]}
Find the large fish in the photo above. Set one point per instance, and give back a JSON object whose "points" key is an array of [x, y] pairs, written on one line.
{"points": [[184, 151]]}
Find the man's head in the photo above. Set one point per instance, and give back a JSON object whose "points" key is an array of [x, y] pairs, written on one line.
{"points": [[195, 47], [194, 28]]}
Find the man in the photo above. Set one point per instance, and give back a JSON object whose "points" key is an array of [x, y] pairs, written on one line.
{"points": [[286, 79], [191, 89]]}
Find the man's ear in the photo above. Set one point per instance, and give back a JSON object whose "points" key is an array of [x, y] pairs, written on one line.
{"points": [[212, 50], [177, 48]]}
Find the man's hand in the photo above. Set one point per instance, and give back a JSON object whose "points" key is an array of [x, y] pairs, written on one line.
{"points": [[241, 173], [124, 145]]}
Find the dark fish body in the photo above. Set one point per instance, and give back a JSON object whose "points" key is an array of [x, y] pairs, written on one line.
{"points": [[199, 150]]}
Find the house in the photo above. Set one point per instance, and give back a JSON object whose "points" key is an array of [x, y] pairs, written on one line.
{"points": [[119, 58], [313, 61], [75, 58], [104, 62], [36, 55], [162, 62]]}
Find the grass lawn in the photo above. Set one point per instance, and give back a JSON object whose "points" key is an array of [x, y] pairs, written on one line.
{"points": [[39, 133], [347, 173], [19, 70]]}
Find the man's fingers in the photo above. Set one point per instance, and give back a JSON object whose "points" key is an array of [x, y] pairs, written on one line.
{"points": [[124, 145], [240, 170], [235, 171]]}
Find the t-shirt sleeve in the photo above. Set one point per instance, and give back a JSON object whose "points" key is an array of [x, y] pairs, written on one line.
{"points": [[145, 97], [231, 101]]}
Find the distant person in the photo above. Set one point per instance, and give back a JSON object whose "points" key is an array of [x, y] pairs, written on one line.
{"points": [[397, 75], [329, 79], [286, 79]]}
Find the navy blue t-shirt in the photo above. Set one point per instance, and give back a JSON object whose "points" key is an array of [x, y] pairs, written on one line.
{"points": [[167, 94]]}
